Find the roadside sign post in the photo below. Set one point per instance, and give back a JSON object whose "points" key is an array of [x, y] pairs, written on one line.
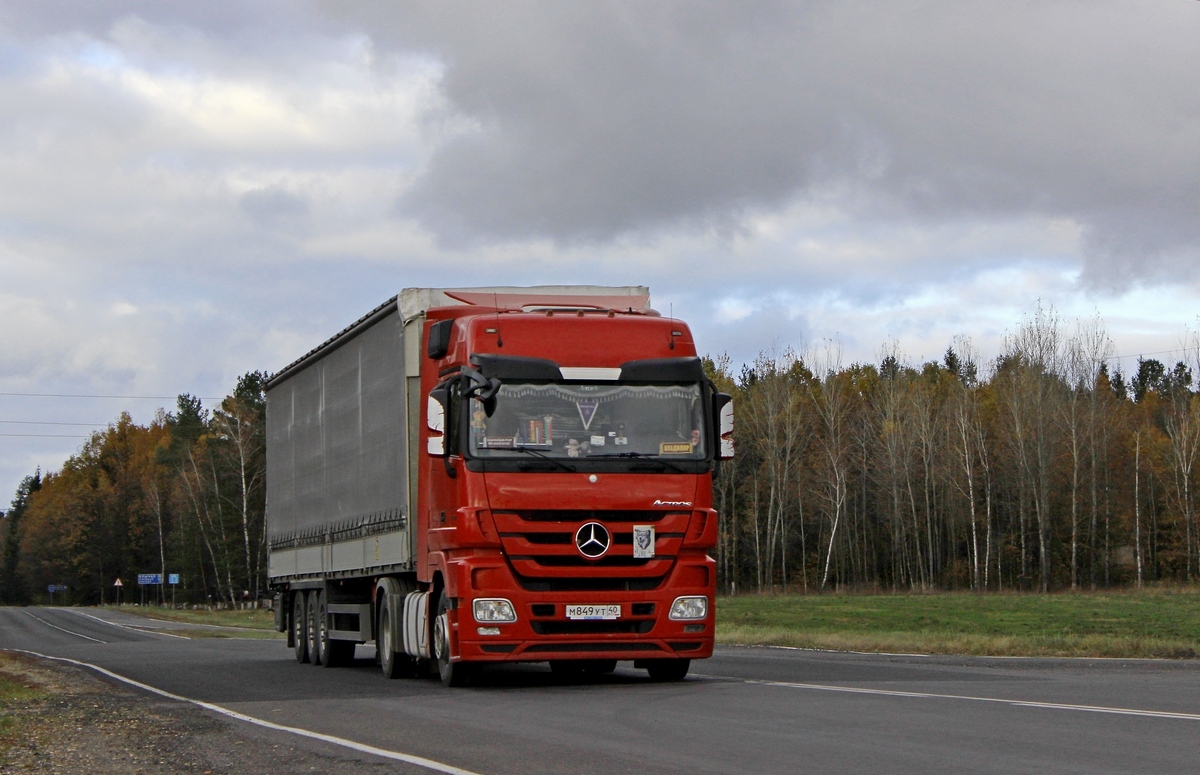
{"points": [[173, 579], [118, 585], [52, 588], [146, 579]]}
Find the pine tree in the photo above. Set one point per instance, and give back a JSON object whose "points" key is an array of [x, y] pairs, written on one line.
{"points": [[12, 590]]}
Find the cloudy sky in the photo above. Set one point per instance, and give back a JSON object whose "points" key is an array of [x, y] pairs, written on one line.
{"points": [[189, 191]]}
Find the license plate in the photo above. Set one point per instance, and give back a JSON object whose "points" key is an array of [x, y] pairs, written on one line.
{"points": [[593, 612]]}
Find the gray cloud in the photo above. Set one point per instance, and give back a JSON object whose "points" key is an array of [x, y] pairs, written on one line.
{"points": [[192, 190], [274, 206], [602, 119]]}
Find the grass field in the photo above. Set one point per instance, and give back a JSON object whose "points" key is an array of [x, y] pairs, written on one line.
{"points": [[13, 690], [1150, 623], [255, 623], [1161, 623]]}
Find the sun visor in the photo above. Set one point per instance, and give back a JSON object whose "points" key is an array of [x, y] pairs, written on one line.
{"points": [[662, 370], [516, 368]]}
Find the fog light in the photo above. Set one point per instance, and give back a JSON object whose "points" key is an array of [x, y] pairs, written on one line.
{"points": [[496, 610], [488, 630], [688, 608], [693, 628]]}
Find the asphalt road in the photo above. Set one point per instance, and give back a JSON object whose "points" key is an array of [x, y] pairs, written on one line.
{"points": [[746, 710]]}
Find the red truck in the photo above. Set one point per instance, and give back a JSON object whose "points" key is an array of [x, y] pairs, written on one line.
{"points": [[477, 475]]}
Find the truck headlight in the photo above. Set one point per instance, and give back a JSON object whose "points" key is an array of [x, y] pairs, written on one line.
{"points": [[689, 608], [494, 610]]}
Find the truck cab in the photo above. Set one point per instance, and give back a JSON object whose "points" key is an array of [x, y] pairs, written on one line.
{"points": [[561, 448]]}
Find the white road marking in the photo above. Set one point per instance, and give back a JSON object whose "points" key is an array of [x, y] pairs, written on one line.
{"points": [[969, 698], [145, 631], [69, 632], [419, 761]]}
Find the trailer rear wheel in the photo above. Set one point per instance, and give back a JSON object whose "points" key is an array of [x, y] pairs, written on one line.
{"points": [[299, 627], [334, 653], [451, 673], [667, 669], [312, 635]]}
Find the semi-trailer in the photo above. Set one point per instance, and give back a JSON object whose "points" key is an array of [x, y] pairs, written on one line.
{"points": [[468, 476]]}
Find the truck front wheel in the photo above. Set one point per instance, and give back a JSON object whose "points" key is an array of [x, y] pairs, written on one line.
{"points": [[394, 664], [451, 673], [667, 669]]}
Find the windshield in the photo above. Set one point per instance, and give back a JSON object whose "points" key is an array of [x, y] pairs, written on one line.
{"points": [[591, 420]]}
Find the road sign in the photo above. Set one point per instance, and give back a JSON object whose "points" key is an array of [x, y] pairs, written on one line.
{"points": [[172, 578], [117, 583], [149, 578], [56, 588]]}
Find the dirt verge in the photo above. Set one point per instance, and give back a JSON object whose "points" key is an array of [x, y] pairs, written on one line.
{"points": [[75, 721]]}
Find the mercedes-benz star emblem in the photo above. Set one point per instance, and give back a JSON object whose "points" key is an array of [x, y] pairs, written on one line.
{"points": [[592, 540]]}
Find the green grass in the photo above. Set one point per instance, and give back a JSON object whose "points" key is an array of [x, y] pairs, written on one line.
{"points": [[256, 622], [12, 691], [1149, 623]]}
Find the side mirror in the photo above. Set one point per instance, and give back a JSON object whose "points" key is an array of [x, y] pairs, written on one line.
{"points": [[475, 385], [439, 339], [435, 421], [723, 403]]}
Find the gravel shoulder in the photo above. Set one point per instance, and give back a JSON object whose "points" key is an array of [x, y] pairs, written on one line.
{"points": [[75, 721]]}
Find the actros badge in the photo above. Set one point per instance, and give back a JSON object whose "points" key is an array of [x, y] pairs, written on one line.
{"points": [[592, 540]]}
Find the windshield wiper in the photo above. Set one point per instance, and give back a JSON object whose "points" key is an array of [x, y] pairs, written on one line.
{"points": [[644, 456], [544, 456]]}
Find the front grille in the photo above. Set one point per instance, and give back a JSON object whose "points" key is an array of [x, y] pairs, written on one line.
{"points": [[542, 609], [580, 562], [571, 515], [592, 627], [642, 609], [540, 547], [587, 584]]}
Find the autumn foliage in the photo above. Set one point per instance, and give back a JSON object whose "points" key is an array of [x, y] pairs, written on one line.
{"points": [[182, 495], [1043, 469]]}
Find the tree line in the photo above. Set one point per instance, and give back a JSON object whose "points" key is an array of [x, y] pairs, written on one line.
{"points": [[1044, 468], [184, 494]]}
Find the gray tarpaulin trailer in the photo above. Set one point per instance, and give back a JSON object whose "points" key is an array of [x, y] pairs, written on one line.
{"points": [[342, 434]]}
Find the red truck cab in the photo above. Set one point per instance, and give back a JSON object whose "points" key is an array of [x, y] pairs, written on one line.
{"points": [[564, 511]]}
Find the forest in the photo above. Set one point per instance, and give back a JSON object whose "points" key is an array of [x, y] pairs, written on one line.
{"points": [[1042, 469], [181, 495]]}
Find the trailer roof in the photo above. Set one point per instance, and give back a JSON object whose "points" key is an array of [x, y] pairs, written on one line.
{"points": [[414, 302]]}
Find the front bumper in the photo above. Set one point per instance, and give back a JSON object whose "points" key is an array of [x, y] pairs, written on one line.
{"points": [[543, 630]]}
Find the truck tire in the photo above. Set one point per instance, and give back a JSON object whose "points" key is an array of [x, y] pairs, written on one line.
{"points": [[451, 673], [668, 669], [312, 635], [393, 663], [299, 627], [579, 667], [334, 653]]}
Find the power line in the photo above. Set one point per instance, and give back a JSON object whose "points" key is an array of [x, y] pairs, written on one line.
{"points": [[43, 422], [83, 395], [1160, 352], [43, 436]]}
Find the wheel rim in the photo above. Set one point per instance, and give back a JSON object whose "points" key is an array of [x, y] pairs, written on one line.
{"points": [[314, 643], [441, 643], [322, 629], [299, 630]]}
